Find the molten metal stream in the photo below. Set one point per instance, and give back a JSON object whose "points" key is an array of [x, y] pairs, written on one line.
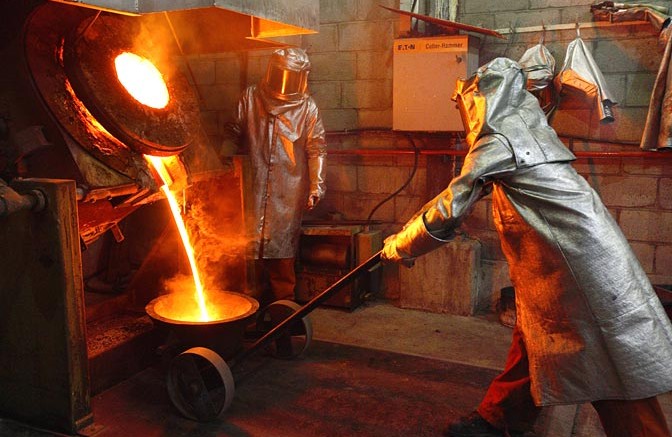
{"points": [[175, 208]]}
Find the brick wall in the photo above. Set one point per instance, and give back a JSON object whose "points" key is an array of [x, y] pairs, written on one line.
{"points": [[628, 57], [352, 84], [633, 189]]}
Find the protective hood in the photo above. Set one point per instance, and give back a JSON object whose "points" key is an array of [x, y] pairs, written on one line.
{"points": [[495, 101], [287, 74], [539, 67]]}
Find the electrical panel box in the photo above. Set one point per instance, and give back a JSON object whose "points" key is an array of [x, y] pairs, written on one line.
{"points": [[424, 76]]}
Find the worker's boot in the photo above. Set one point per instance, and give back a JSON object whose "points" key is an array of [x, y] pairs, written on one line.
{"points": [[474, 425]]}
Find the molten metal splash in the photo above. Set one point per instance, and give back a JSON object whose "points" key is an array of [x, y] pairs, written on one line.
{"points": [[175, 209], [142, 80]]}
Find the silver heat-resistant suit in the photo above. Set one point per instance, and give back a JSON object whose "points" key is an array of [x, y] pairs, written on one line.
{"points": [[592, 325], [285, 139]]}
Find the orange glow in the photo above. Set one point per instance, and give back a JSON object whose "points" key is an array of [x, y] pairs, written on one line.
{"points": [[142, 80], [93, 127], [222, 305], [179, 221]]}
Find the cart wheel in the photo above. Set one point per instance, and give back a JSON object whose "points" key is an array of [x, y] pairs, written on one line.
{"points": [[298, 334], [200, 384]]}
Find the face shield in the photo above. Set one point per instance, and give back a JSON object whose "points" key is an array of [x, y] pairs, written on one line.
{"points": [[287, 74], [466, 91]]}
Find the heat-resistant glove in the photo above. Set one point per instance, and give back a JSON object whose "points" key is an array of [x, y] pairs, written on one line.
{"points": [[317, 168], [412, 241]]}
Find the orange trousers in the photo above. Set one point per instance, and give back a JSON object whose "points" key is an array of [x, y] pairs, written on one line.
{"points": [[508, 403]]}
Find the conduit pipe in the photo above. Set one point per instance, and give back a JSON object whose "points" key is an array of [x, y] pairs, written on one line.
{"points": [[660, 155], [453, 152]]}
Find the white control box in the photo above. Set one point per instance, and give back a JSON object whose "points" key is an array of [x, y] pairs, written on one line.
{"points": [[424, 75]]}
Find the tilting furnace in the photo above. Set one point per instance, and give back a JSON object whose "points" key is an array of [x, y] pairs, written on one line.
{"points": [[86, 236]]}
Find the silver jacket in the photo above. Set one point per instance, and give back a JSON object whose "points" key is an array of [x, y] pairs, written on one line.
{"points": [[580, 82], [286, 144], [593, 327], [657, 132]]}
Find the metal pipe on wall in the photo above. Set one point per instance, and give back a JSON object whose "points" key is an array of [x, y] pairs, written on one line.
{"points": [[660, 155], [453, 152]]}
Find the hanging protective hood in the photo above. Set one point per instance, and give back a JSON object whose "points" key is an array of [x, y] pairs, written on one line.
{"points": [[214, 26]]}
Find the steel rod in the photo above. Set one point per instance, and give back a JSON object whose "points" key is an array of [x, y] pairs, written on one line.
{"points": [[277, 330], [454, 152]]}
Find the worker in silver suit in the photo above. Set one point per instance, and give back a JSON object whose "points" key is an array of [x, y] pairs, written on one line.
{"points": [[589, 326], [278, 124]]}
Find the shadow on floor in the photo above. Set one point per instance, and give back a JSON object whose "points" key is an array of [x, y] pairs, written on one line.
{"points": [[335, 390]]}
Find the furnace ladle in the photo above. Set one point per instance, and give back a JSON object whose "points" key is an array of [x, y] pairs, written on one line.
{"points": [[200, 382]]}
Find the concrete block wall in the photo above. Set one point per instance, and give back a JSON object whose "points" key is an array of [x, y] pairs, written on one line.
{"points": [[633, 189], [352, 64], [351, 81], [435, 285], [357, 184], [627, 55]]}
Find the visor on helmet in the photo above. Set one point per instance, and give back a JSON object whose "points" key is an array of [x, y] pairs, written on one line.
{"points": [[286, 84], [465, 89]]}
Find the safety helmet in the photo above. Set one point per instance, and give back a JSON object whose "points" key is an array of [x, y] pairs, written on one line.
{"points": [[287, 74]]}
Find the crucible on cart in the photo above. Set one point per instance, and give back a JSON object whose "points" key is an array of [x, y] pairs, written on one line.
{"points": [[200, 380]]}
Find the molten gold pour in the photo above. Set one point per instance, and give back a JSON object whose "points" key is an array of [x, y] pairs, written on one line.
{"points": [[160, 167]]}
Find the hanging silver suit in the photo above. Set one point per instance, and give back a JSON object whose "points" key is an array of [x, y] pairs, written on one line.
{"points": [[657, 132], [580, 83]]}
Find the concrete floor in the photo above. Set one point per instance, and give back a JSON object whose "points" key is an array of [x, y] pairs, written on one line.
{"points": [[479, 341], [476, 342]]}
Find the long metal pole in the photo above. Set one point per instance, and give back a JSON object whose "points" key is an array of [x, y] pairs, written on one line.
{"points": [[277, 330]]}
